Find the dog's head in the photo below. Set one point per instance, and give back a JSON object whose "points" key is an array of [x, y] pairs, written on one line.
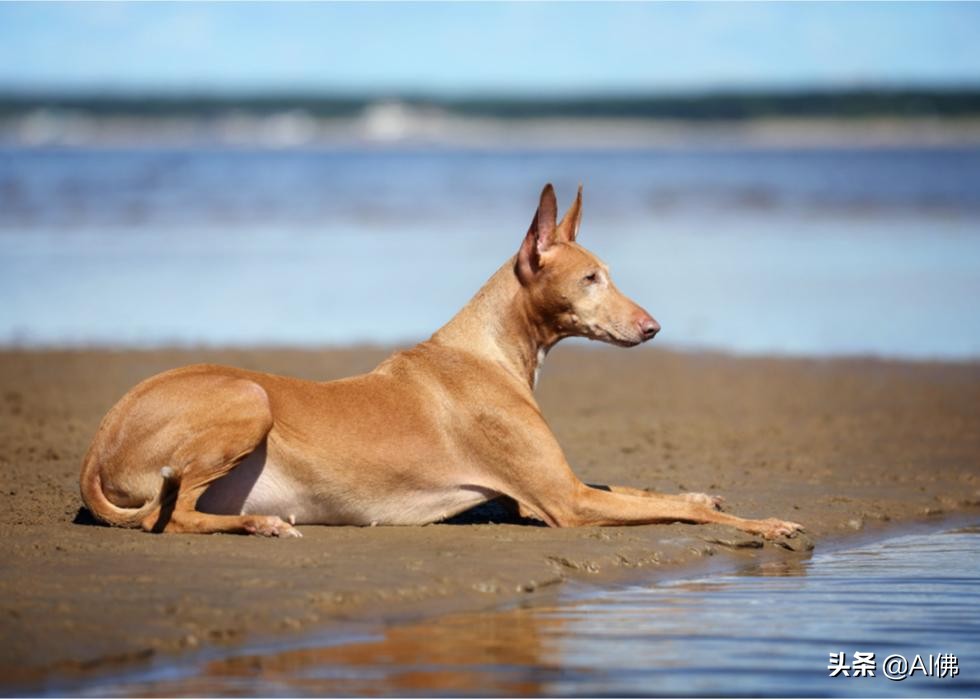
{"points": [[569, 287]]}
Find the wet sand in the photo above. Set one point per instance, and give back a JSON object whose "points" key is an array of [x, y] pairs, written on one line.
{"points": [[843, 446]]}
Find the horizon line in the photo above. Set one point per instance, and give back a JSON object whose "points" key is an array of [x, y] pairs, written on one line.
{"points": [[216, 93]]}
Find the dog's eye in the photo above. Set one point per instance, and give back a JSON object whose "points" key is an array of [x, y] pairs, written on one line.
{"points": [[591, 278]]}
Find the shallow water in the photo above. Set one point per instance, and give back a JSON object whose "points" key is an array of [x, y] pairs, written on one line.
{"points": [[768, 629], [755, 251]]}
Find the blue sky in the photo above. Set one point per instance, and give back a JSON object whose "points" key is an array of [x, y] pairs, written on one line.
{"points": [[490, 48]]}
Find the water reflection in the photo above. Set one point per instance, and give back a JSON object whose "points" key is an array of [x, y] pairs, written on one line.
{"points": [[763, 631], [791, 567]]}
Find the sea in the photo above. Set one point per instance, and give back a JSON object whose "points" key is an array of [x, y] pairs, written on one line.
{"points": [[815, 251]]}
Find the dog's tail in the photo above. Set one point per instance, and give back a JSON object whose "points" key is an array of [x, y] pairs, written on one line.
{"points": [[105, 511]]}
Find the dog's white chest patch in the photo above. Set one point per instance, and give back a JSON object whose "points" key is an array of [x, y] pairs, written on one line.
{"points": [[542, 353]]}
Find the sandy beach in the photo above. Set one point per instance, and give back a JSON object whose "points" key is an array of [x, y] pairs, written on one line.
{"points": [[847, 447]]}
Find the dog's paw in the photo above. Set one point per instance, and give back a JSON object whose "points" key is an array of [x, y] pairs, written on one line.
{"points": [[773, 528], [272, 526], [713, 501]]}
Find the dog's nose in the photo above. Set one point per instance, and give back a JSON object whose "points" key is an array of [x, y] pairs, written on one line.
{"points": [[648, 327]]}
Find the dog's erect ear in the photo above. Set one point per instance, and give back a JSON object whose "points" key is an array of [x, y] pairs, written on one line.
{"points": [[542, 234], [568, 228], [546, 218]]}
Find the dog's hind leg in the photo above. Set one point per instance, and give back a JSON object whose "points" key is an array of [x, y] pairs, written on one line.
{"points": [[176, 514], [208, 454]]}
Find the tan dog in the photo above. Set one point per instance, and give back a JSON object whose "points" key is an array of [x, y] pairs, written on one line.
{"points": [[431, 432]]}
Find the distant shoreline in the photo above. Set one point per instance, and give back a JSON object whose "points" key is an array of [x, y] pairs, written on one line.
{"points": [[708, 106], [842, 118], [393, 126]]}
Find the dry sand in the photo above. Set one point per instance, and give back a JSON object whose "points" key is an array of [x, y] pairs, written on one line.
{"points": [[842, 446]]}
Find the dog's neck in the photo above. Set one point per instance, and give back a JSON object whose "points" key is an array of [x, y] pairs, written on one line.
{"points": [[500, 323]]}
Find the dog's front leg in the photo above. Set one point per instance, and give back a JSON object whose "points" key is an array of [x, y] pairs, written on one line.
{"points": [[713, 501], [564, 501], [538, 477], [594, 507]]}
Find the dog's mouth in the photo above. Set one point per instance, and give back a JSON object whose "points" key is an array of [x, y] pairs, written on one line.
{"points": [[615, 337]]}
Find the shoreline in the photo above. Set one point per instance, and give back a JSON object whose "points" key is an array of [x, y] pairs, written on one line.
{"points": [[849, 447], [186, 664], [575, 589]]}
